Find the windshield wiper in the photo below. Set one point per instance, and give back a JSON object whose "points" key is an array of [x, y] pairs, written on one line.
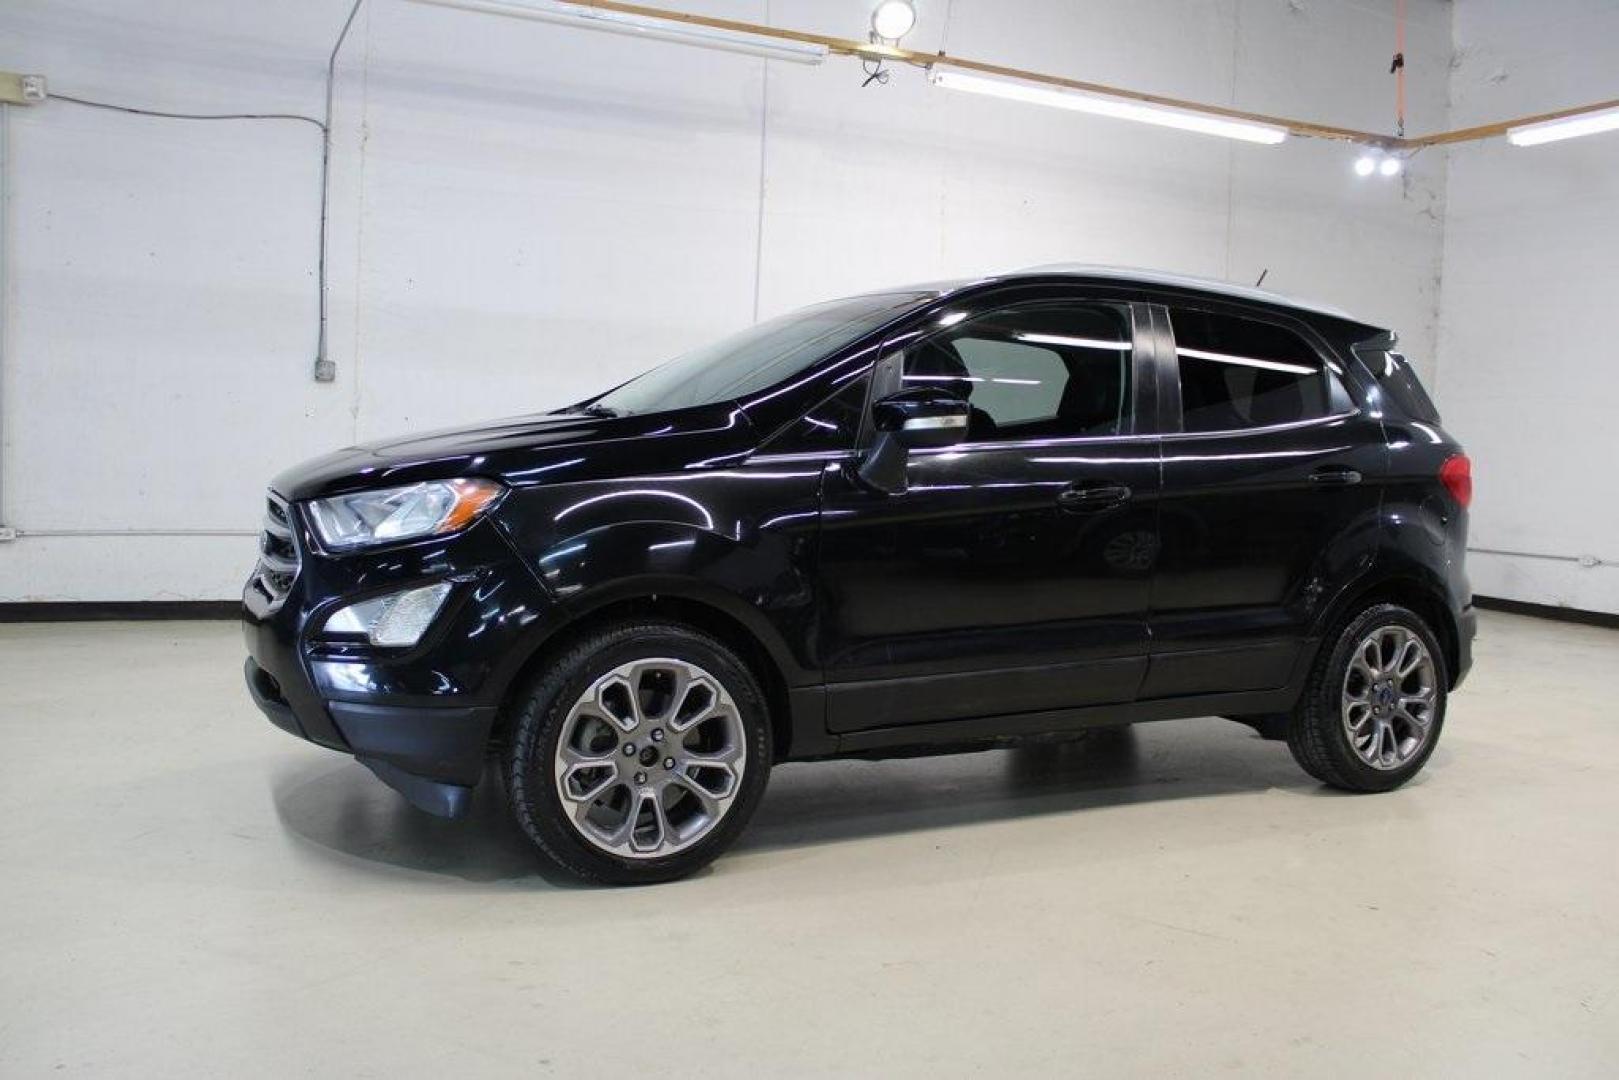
{"points": [[599, 410]]}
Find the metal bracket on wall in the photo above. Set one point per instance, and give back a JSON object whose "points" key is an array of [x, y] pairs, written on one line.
{"points": [[18, 89]]}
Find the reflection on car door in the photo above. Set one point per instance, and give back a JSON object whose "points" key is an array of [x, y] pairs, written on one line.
{"points": [[1270, 487], [1012, 574]]}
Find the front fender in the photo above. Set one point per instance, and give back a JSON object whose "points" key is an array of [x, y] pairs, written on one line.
{"points": [[635, 560]]}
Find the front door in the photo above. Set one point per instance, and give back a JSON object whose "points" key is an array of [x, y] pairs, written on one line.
{"points": [[1011, 575], [1271, 489]]}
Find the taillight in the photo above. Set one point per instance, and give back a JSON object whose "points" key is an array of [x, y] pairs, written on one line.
{"points": [[1457, 476]]}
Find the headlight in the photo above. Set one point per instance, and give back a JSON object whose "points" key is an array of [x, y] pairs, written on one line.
{"points": [[395, 621], [388, 515]]}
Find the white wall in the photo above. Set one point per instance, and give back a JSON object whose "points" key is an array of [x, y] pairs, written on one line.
{"points": [[523, 213], [1529, 368]]}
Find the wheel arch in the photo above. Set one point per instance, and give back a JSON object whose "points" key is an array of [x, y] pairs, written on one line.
{"points": [[673, 605], [1409, 590]]}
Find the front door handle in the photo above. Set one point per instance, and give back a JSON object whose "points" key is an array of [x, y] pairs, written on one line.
{"points": [[1334, 476], [1084, 498]]}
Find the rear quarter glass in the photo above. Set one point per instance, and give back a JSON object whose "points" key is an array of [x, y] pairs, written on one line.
{"points": [[1399, 381]]}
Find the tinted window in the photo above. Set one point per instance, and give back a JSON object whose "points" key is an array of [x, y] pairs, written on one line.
{"points": [[1038, 371], [759, 357], [1395, 375], [1241, 373], [831, 425]]}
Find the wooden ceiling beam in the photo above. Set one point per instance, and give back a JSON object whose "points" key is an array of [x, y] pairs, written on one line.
{"points": [[1309, 129]]}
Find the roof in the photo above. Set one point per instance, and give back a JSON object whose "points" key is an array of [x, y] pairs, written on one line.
{"points": [[1188, 281]]}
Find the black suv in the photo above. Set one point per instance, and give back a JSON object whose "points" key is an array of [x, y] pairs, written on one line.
{"points": [[933, 518]]}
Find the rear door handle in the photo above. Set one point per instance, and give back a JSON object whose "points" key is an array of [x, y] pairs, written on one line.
{"points": [[1083, 498], [1334, 476]]}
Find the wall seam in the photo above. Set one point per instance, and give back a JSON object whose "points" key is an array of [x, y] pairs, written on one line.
{"points": [[764, 137], [759, 224], [1444, 210], [5, 287], [1231, 151], [355, 365]]}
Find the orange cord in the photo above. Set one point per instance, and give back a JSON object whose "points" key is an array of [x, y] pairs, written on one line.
{"points": [[1399, 68]]}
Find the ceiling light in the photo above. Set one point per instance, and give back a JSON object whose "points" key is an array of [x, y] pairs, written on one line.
{"points": [[1365, 165], [1098, 105], [1389, 166], [893, 19], [1569, 127], [643, 26]]}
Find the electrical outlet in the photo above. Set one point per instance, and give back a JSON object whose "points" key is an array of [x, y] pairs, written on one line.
{"points": [[18, 89]]}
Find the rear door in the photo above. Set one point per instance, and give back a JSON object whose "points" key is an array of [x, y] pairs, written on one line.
{"points": [[1011, 576], [1271, 481]]}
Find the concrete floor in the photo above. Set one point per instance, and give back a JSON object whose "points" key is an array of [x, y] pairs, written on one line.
{"points": [[186, 891]]}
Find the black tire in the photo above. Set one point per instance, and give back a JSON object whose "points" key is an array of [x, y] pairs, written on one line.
{"points": [[539, 715], [1316, 735]]}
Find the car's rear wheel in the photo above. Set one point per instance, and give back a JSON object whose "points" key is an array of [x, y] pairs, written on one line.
{"points": [[1372, 711], [639, 754]]}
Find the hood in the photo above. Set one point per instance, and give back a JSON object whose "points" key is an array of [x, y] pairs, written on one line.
{"points": [[526, 450]]}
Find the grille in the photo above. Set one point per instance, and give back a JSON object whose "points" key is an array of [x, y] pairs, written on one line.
{"points": [[278, 555]]}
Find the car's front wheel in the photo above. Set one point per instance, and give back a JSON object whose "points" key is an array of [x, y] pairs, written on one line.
{"points": [[1372, 711], [639, 755]]}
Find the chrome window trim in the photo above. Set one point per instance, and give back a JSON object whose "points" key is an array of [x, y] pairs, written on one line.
{"points": [[1034, 444], [1290, 425], [1066, 440], [800, 456]]}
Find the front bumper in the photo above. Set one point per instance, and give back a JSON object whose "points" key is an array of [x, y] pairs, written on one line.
{"points": [[419, 718]]}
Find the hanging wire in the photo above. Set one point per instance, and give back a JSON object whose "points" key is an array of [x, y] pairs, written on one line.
{"points": [[136, 110], [876, 71], [323, 369]]}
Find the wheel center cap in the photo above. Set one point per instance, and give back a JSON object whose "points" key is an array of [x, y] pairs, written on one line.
{"points": [[1383, 695], [649, 755]]}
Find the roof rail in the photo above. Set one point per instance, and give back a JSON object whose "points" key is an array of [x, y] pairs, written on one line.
{"points": [[1188, 281]]}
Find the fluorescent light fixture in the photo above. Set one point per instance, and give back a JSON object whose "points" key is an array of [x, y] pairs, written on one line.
{"points": [[1569, 127], [1246, 361], [1118, 108], [643, 26], [1075, 342]]}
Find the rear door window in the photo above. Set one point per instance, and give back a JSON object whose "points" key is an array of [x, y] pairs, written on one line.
{"points": [[1238, 373]]}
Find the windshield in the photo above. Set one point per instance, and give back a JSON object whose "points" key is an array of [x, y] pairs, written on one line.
{"points": [[758, 357]]}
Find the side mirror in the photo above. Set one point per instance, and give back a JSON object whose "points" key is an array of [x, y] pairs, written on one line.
{"points": [[906, 421], [920, 420]]}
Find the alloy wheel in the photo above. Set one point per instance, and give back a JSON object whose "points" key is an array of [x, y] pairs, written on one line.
{"points": [[1389, 695], [650, 758]]}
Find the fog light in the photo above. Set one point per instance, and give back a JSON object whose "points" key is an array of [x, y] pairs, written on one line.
{"points": [[395, 621]]}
